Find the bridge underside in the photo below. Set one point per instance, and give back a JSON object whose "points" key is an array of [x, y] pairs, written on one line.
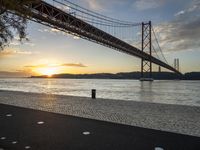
{"points": [[49, 15]]}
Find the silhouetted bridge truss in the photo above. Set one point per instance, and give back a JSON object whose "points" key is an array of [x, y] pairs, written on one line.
{"points": [[50, 15]]}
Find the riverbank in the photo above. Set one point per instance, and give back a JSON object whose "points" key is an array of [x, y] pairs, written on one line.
{"points": [[128, 75], [164, 117]]}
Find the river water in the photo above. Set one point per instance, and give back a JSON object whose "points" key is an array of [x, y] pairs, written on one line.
{"points": [[170, 92]]}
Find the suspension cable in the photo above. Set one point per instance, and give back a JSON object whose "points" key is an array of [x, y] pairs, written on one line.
{"points": [[96, 15], [159, 45]]}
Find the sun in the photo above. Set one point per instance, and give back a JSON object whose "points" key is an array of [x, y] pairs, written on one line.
{"points": [[48, 71]]}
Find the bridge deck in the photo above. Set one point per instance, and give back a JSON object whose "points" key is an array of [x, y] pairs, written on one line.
{"points": [[47, 14]]}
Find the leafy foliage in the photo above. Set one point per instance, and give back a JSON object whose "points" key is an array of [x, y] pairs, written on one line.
{"points": [[12, 21]]}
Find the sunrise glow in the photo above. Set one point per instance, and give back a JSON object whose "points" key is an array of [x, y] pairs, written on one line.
{"points": [[49, 71]]}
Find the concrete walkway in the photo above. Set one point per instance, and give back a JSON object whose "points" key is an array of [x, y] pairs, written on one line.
{"points": [[22, 128], [172, 118]]}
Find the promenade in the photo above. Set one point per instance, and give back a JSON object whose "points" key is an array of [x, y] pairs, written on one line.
{"points": [[85, 123]]}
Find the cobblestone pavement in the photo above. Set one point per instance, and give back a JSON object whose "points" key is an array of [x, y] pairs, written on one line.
{"points": [[172, 118]]}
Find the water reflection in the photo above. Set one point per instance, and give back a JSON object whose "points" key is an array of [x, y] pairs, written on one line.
{"points": [[146, 92], [171, 92]]}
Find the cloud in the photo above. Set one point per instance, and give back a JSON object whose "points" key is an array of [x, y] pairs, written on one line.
{"points": [[74, 65], [16, 42], [7, 52], [56, 32], [76, 37], [179, 13], [29, 44], [94, 4], [195, 6], [56, 65], [183, 32], [103, 4], [52, 31], [36, 66], [138, 4], [64, 8], [147, 4]]}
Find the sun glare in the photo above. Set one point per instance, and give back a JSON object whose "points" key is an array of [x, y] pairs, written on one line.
{"points": [[49, 71]]}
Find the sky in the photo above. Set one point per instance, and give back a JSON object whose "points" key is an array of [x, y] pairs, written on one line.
{"points": [[49, 51]]}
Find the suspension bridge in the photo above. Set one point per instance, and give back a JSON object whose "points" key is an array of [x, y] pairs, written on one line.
{"points": [[136, 39]]}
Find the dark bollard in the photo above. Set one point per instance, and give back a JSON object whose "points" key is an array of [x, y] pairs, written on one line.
{"points": [[93, 94]]}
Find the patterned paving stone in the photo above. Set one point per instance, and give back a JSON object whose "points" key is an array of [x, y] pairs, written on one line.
{"points": [[172, 118]]}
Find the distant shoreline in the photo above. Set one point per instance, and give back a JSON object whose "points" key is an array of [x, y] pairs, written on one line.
{"points": [[126, 75]]}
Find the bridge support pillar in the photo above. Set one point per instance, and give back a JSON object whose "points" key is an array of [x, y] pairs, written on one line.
{"points": [[146, 63]]}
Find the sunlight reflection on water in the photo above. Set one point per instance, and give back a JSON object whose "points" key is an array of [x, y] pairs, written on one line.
{"points": [[171, 92]]}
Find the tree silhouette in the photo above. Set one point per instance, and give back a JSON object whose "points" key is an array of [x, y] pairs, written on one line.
{"points": [[12, 21]]}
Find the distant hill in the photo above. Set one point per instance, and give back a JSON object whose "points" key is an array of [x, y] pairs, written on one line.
{"points": [[127, 75], [192, 76]]}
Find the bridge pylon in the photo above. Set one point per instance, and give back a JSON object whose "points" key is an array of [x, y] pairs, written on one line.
{"points": [[146, 65]]}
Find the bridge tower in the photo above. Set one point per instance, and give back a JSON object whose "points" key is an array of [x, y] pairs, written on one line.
{"points": [[176, 64], [159, 69], [146, 65]]}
